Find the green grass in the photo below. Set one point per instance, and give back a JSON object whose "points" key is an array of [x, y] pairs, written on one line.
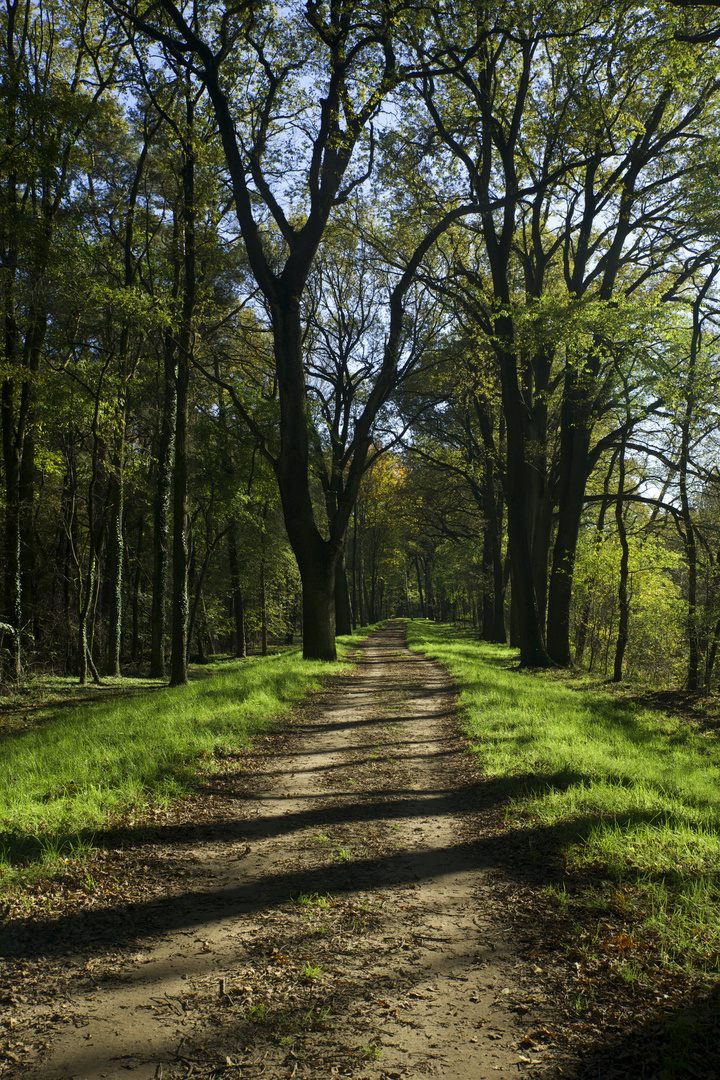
{"points": [[626, 797], [88, 765]]}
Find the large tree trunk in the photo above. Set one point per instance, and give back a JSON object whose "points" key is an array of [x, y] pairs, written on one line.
{"points": [[525, 495], [318, 593], [316, 557]]}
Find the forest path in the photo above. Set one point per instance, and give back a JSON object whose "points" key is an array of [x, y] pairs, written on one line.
{"points": [[336, 912]]}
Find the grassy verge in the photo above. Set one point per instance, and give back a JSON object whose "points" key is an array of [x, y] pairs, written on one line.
{"points": [[625, 799], [86, 766]]}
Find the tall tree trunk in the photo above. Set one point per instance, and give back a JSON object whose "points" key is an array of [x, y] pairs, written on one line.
{"points": [[117, 477], [429, 591], [688, 525], [711, 656], [316, 557], [487, 596], [522, 511], [624, 604], [31, 614], [16, 407], [354, 571], [263, 607], [420, 588], [318, 608], [493, 593], [115, 560], [88, 582], [574, 451], [135, 646], [362, 608], [180, 606], [180, 603], [86, 588], [21, 356], [163, 490]]}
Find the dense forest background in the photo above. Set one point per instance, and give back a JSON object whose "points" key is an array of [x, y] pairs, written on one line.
{"points": [[315, 315]]}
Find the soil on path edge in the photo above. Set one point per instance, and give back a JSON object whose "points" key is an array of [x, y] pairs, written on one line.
{"points": [[331, 913]]}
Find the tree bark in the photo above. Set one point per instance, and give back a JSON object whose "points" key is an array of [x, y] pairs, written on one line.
{"points": [[318, 594], [523, 561], [316, 557]]}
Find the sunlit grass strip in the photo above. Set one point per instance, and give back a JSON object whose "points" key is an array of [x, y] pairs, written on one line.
{"points": [[90, 763], [630, 795]]}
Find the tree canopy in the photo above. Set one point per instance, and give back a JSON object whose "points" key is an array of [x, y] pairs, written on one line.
{"points": [[320, 313]]}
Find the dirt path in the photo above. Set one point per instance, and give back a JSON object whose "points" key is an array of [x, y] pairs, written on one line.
{"points": [[333, 913]]}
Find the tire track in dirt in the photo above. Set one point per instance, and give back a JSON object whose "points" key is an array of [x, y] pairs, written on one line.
{"points": [[336, 923]]}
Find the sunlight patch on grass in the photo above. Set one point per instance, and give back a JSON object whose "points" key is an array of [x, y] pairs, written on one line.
{"points": [[89, 764], [626, 796]]}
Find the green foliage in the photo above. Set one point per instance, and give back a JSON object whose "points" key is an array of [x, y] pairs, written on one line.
{"points": [[657, 612]]}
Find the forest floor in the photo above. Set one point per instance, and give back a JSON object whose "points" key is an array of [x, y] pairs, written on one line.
{"points": [[345, 900]]}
